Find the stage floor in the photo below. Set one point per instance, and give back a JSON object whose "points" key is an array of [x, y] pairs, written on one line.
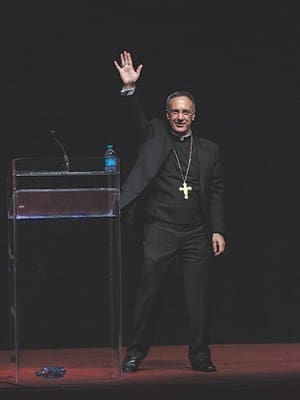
{"points": [[244, 371]]}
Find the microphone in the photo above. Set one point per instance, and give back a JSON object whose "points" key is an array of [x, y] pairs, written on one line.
{"points": [[66, 158]]}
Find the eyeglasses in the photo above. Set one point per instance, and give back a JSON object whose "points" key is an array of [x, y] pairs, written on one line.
{"points": [[175, 113]]}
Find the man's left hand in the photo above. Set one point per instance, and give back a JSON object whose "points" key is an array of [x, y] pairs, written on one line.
{"points": [[218, 243]]}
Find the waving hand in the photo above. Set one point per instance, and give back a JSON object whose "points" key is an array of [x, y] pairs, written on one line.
{"points": [[128, 74]]}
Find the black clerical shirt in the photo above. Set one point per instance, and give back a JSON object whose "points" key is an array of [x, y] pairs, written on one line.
{"points": [[165, 202]]}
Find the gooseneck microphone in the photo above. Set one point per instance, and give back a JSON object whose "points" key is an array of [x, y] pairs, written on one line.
{"points": [[66, 158]]}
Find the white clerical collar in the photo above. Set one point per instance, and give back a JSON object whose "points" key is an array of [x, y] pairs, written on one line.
{"points": [[182, 137]]}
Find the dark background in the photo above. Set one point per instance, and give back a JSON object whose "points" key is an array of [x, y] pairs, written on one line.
{"points": [[240, 62]]}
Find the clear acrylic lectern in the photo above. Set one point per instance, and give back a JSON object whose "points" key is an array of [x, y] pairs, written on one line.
{"points": [[65, 275]]}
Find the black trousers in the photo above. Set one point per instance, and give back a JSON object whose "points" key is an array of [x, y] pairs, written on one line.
{"points": [[164, 242]]}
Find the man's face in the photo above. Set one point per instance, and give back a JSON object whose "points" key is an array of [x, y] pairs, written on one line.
{"points": [[180, 114]]}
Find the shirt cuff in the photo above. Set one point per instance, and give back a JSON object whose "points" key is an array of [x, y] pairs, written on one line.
{"points": [[127, 92]]}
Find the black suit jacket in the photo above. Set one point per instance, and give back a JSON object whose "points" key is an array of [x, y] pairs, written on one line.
{"points": [[155, 146]]}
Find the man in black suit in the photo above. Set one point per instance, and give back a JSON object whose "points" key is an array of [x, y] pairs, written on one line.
{"points": [[178, 180]]}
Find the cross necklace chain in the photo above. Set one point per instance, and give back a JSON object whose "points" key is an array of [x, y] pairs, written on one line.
{"points": [[184, 187]]}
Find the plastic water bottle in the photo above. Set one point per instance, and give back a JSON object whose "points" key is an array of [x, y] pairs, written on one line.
{"points": [[110, 159]]}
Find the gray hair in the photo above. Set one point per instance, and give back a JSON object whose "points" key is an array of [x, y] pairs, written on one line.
{"points": [[180, 93]]}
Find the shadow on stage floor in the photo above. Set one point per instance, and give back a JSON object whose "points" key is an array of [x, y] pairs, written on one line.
{"points": [[244, 371]]}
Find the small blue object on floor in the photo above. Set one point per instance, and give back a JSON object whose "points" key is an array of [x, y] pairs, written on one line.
{"points": [[51, 372]]}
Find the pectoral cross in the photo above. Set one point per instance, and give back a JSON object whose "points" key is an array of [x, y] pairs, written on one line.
{"points": [[185, 189]]}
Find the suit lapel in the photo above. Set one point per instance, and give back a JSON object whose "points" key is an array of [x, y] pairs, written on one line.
{"points": [[203, 162], [156, 153]]}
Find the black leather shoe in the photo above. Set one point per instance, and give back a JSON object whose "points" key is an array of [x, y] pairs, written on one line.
{"points": [[131, 364], [204, 365]]}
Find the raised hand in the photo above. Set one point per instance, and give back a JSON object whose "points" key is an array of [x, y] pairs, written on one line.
{"points": [[128, 74]]}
